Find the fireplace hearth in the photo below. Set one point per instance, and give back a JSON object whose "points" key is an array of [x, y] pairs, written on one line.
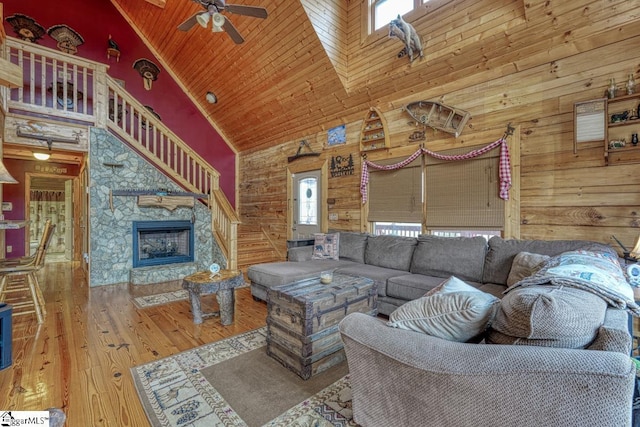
{"points": [[162, 242]]}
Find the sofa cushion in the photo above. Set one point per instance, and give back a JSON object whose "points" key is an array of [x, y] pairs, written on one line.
{"points": [[279, 273], [412, 286], [379, 275], [438, 256], [501, 253], [390, 251], [352, 246], [524, 265], [326, 246], [456, 312], [548, 315]]}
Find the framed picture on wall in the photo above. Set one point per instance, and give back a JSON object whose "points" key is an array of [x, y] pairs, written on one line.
{"points": [[337, 135]]}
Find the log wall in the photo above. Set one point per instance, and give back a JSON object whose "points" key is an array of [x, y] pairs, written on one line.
{"points": [[524, 63]]}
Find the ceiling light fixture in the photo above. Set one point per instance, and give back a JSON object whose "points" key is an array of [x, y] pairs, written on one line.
{"points": [[211, 98], [203, 19], [217, 21], [41, 156]]}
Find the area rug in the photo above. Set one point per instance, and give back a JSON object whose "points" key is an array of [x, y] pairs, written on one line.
{"points": [[159, 299], [233, 382]]}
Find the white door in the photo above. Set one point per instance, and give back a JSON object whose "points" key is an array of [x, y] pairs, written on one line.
{"points": [[306, 204]]}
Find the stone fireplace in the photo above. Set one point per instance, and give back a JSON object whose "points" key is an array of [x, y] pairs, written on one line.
{"points": [[162, 242]]}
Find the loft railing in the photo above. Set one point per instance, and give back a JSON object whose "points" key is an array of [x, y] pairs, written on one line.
{"points": [[63, 86]]}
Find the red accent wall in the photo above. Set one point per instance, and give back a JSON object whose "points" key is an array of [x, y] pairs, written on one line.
{"points": [[94, 21]]}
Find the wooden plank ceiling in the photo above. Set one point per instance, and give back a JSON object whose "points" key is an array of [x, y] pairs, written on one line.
{"points": [[267, 87]]}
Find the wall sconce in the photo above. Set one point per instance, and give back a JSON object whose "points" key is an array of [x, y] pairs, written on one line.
{"points": [[41, 156], [5, 176]]}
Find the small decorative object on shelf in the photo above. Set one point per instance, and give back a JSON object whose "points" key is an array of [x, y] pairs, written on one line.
{"points": [[631, 85], [611, 90], [634, 139], [617, 143]]}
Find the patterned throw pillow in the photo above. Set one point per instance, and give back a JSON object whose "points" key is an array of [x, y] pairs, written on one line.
{"points": [[326, 246]]}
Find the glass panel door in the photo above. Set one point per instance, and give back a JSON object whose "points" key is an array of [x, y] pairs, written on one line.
{"points": [[306, 204]]}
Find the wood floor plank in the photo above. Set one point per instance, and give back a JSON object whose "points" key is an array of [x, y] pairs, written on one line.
{"points": [[79, 358]]}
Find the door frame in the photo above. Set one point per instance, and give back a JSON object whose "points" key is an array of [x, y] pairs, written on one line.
{"points": [[75, 184], [307, 166]]}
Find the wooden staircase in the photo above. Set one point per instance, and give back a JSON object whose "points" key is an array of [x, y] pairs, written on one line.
{"points": [[254, 247]]}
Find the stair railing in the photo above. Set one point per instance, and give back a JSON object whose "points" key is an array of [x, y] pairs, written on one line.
{"points": [[64, 86]]}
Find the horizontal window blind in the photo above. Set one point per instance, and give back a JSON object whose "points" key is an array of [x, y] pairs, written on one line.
{"points": [[396, 196], [464, 194]]}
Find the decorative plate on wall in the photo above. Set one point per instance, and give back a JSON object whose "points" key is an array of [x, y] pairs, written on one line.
{"points": [[67, 38], [26, 27]]}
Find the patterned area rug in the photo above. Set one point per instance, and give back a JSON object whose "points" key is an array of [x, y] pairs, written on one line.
{"points": [[159, 299], [175, 391]]}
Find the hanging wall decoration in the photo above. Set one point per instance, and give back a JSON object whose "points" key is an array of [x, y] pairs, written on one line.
{"points": [[148, 71], [60, 94], [68, 39], [143, 121], [337, 135], [438, 116], [113, 49], [400, 29], [341, 166], [26, 27]]}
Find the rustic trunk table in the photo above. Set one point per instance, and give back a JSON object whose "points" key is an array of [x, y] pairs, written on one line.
{"points": [[303, 317], [222, 284]]}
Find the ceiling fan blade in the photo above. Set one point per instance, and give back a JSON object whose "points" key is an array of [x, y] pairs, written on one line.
{"points": [[233, 33], [255, 11], [189, 23]]}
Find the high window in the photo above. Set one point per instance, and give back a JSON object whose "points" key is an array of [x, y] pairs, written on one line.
{"points": [[384, 11]]}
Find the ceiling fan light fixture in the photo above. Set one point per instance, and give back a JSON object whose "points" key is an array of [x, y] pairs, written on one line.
{"points": [[217, 21], [203, 19], [41, 156]]}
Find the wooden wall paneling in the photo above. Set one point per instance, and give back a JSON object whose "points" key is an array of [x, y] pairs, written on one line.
{"points": [[530, 78]]}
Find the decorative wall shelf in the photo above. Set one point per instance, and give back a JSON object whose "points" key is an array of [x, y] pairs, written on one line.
{"points": [[374, 134], [594, 121], [439, 116]]}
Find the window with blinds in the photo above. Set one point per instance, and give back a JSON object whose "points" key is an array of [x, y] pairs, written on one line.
{"points": [[396, 196], [464, 194], [458, 195]]}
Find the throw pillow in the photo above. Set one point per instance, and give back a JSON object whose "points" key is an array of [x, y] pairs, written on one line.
{"points": [[524, 265], [458, 312], [548, 315], [326, 246]]}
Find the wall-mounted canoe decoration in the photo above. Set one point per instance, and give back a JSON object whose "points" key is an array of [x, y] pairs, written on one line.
{"points": [[438, 116]]}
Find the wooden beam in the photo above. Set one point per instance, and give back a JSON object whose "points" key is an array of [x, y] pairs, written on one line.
{"points": [[10, 74], [159, 3]]}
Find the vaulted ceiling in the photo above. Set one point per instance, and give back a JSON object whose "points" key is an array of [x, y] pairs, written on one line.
{"points": [[269, 86]]}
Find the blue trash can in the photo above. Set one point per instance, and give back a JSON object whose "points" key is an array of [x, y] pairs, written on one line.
{"points": [[5, 335]]}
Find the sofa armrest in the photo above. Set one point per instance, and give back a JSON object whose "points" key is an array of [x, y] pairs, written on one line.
{"points": [[407, 378], [301, 253]]}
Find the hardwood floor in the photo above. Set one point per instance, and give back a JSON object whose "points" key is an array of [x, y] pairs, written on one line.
{"points": [[79, 358]]}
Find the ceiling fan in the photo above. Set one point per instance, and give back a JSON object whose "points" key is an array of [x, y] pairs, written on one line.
{"points": [[219, 22]]}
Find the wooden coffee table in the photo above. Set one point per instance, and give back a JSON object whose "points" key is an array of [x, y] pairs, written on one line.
{"points": [[222, 284], [303, 317]]}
